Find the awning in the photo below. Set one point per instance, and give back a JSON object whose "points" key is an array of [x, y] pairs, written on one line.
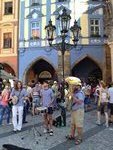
{"points": [[6, 75]]}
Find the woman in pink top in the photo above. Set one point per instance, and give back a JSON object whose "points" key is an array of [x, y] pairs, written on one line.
{"points": [[4, 104]]}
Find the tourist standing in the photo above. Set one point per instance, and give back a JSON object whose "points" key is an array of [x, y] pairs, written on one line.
{"points": [[47, 98], [4, 104], [29, 92], [36, 97], [77, 114], [96, 94], [110, 92], [87, 101], [103, 103], [19, 93], [26, 106], [55, 88]]}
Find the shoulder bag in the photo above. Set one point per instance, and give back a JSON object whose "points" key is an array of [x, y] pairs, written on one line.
{"points": [[15, 99]]}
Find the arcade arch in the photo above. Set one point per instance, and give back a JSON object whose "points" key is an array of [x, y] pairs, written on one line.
{"points": [[87, 70]]}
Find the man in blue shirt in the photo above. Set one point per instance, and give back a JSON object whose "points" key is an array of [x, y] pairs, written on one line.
{"points": [[77, 113], [47, 97]]}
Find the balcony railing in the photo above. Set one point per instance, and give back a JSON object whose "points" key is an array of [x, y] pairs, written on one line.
{"points": [[36, 42]]}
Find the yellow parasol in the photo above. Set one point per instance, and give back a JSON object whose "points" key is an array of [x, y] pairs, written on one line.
{"points": [[73, 80]]}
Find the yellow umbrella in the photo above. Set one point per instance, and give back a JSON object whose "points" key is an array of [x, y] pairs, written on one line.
{"points": [[73, 80]]}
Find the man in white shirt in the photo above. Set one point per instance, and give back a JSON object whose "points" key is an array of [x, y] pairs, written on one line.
{"points": [[110, 92]]}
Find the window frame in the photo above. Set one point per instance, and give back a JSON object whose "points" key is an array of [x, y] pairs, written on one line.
{"points": [[35, 28], [35, 2], [94, 32], [7, 44], [6, 12], [62, 1]]}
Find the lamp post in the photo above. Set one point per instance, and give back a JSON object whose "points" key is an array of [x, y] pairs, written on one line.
{"points": [[64, 24]]}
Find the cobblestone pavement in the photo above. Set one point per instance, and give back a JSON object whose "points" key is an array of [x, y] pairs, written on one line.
{"points": [[95, 137]]}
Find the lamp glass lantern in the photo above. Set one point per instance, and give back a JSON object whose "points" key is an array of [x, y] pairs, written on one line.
{"points": [[50, 30], [75, 29], [64, 21]]}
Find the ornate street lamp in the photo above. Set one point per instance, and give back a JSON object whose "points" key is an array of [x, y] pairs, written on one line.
{"points": [[50, 32], [64, 24], [64, 20], [75, 29]]}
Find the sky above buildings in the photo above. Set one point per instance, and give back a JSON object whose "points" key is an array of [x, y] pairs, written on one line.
{"points": [[81, 6]]}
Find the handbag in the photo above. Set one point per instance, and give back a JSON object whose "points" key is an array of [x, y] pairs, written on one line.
{"points": [[15, 99]]}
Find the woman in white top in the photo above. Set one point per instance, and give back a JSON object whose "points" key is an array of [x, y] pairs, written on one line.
{"points": [[102, 103], [17, 109]]}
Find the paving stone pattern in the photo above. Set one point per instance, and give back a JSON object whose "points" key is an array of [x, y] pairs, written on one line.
{"points": [[95, 137]]}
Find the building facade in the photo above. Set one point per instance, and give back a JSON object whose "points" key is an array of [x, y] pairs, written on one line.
{"points": [[108, 22], [38, 61], [9, 35]]}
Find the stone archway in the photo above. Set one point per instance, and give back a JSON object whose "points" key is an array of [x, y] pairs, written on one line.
{"points": [[40, 70], [87, 70]]}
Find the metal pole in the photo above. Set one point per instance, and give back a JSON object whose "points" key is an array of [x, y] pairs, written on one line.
{"points": [[63, 110], [63, 71], [63, 92]]}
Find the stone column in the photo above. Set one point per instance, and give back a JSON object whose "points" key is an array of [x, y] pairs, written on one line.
{"points": [[108, 18], [112, 3], [107, 65], [111, 49], [66, 65]]}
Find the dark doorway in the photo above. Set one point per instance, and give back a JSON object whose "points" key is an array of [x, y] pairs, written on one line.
{"points": [[88, 71], [41, 70]]}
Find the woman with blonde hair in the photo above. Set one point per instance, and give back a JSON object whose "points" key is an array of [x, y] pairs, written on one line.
{"points": [[19, 95], [103, 103]]}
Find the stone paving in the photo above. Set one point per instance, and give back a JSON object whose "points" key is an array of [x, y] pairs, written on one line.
{"points": [[95, 137]]}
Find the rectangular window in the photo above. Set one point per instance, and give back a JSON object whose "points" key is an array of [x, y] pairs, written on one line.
{"points": [[35, 30], [7, 40], [94, 27], [8, 10], [62, 0], [35, 2]]}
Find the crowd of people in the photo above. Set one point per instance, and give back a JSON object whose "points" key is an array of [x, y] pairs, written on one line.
{"points": [[17, 100]]}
